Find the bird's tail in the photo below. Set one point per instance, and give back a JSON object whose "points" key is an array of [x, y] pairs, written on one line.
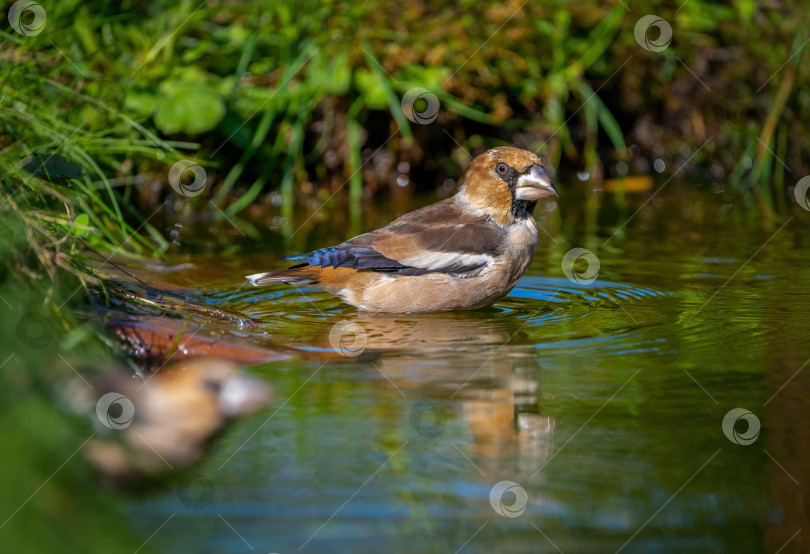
{"points": [[302, 275]]}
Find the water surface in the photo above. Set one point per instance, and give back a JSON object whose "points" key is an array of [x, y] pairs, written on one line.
{"points": [[601, 402]]}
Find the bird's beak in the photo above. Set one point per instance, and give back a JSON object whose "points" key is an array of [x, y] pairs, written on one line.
{"points": [[243, 394], [534, 184]]}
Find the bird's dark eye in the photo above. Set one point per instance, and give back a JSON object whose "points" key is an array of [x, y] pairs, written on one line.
{"points": [[502, 168], [213, 386]]}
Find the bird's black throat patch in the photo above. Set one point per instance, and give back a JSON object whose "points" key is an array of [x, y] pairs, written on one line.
{"points": [[522, 209]]}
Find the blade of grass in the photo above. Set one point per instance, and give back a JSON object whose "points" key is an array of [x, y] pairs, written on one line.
{"points": [[394, 101], [262, 129]]}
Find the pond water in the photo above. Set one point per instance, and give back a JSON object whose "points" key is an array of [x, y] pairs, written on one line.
{"points": [[569, 417]]}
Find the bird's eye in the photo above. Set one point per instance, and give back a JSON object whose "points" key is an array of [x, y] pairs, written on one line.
{"points": [[213, 386], [501, 168]]}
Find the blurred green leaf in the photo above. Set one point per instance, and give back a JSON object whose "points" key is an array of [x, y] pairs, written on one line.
{"points": [[372, 86], [332, 76], [81, 224], [189, 111]]}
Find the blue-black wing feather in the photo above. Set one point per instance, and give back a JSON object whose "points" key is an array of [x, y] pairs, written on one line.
{"points": [[354, 257]]}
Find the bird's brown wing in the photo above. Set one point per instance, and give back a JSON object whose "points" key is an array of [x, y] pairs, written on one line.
{"points": [[438, 238]]}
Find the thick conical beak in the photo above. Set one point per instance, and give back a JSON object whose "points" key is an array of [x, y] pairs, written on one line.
{"points": [[534, 184]]}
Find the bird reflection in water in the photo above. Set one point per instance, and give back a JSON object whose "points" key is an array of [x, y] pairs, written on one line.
{"points": [[479, 365]]}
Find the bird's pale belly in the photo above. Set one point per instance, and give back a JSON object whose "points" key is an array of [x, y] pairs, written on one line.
{"points": [[435, 292]]}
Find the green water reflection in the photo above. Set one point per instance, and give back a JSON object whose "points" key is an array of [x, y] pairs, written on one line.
{"points": [[604, 402]]}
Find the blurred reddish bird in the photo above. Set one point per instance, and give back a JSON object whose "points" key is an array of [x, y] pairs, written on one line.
{"points": [[462, 253]]}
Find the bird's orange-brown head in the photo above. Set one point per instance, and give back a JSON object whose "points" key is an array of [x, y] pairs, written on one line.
{"points": [[506, 182]]}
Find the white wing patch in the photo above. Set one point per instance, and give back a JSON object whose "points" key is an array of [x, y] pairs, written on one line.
{"points": [[427, 259]]}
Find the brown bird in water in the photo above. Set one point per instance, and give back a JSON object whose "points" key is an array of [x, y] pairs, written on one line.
{"points": [[151, 427], [462, 253]]}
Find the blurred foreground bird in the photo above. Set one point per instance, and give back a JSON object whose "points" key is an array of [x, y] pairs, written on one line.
{"points": [[152, 427], [461, 253]]}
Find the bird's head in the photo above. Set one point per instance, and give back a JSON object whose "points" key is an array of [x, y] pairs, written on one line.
{"points": [[506, 183]]}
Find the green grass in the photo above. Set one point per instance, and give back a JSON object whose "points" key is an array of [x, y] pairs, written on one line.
{"points": [[261, 94]]}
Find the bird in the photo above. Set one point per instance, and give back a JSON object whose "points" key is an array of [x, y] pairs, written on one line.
{"points": [[148, 428], [461, 253]]}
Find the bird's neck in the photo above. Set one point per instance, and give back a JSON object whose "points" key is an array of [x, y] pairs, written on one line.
{"points": [[504, 213], [469, 204], [522, 209]]}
